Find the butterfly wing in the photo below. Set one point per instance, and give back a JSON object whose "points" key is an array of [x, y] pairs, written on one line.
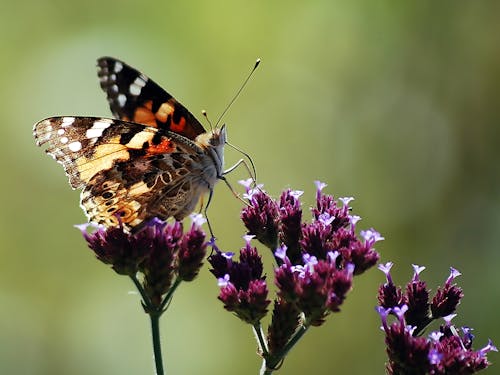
{"points": [[128, 170], [132, 96]]}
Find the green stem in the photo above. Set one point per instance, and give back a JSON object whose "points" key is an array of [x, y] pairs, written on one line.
{"points": [[169, 295], [272, 361], [145, 298], [257, 329], [155, 331]]}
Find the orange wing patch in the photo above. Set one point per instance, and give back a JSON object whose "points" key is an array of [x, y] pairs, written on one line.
{"points": [[166, 146], [144, 114]]}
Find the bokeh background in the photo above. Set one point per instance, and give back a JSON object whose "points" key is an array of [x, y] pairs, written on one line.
{"points": [[394, 103]]}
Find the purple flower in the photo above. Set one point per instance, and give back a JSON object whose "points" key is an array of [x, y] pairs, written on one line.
{"points": [[261, 218], [192, 249], [417, 299], [290, 216], [316, 262], [441, 352], [447, 298], [160, 251], [285, 320], [113, 246], [243, 288]]}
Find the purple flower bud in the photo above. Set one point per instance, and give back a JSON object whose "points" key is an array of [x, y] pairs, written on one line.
{"points": [[447, 297], [261, 218], [160, 266], [389, 295], [285, 320], [192, 250], [290, 216], [123, 251], [243, 288], [443, 352], [417, 299]]}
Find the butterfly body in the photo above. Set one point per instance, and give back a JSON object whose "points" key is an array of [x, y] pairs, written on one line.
{"points": [[154, 160]]}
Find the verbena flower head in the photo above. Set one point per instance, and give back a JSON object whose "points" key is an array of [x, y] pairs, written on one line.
{"points": [[316, 260], [445, 351], [243, 288], [421, 311], [159, 252]]}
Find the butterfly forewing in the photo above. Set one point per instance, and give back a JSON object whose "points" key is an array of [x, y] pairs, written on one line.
{"points": [[133, 96]]}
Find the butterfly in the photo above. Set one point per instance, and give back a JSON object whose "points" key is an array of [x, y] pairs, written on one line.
{"points": [[154, 159]]}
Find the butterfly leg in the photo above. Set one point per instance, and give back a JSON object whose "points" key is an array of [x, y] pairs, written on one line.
{"points": [[205, 213], [251, 172]]}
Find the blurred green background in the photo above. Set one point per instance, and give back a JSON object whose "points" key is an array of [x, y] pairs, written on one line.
{"points": [[395, 103]]}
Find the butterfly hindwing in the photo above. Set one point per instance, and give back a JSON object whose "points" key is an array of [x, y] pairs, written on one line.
{"points": [[155, 185], [133, 96], [127, 170]]}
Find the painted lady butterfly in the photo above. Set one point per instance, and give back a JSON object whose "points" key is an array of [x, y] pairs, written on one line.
{"points": [[154, 160]]}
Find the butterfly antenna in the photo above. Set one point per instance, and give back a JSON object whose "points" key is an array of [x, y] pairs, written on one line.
{"points": [[204, 113], [257, 62]]}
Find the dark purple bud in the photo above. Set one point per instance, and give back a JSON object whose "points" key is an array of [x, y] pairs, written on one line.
{"points": [[341, 285], [290, 213], [362, 253], [317, 239], [285, 281], [251, 258], [159, 267], [261, 218], [326, 207], [192, 249], [221, 263], [447, 298], [115, 247], [250, 305], [417, 299], [286, 319], [389, 295]]}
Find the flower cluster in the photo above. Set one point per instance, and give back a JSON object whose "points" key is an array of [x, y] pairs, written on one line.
{"points": [[243, 288], [445, 351], [160, 252], [316, 262]]}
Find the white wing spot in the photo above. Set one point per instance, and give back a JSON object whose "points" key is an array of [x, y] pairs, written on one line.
{"points": [[64, 140], [97, 128], [136, 87], [114, 88], [118, 67], [122, 99], [61, 131], [75, 146], [67, 121], [112, 77]]}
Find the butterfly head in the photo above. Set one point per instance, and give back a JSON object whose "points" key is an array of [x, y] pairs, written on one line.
{"points": [[213, 142]]}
